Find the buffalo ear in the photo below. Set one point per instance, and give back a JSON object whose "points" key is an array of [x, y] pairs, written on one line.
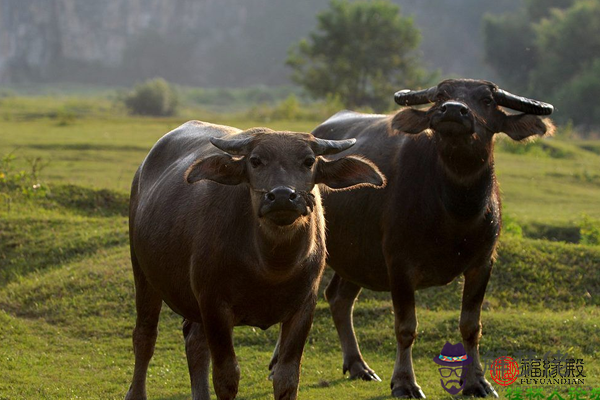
{"points": [[347, 172], [410, 121], [221, 168], [522, 126]]}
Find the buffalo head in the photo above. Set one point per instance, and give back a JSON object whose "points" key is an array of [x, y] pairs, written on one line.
{"points": [[466, 109], [282, 169]]}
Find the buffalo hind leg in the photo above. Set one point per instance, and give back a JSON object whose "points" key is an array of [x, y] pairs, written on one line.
{"points": [[198, 358], [341, 295], [148, 304], [476, 280], [404, 384]]}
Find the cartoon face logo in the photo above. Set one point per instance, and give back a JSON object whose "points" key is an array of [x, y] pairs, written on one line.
{"points": [[453, 362]]}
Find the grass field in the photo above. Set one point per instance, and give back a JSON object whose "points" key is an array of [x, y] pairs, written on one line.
{"points": [[66, 290]]}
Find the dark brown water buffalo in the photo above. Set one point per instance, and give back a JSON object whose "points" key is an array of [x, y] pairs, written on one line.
{"points": [[438, 217], [227, 228]]}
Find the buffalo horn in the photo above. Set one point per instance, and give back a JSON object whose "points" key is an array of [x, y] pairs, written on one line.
{"points": [[323, 147], [237, 146], [523, 104], [415, 97]]}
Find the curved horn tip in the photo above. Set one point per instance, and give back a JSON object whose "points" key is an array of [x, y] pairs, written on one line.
{"points": [[400, 92], [326, 147], [230, 146], [399, 97], [217, 142], [415, 97]]}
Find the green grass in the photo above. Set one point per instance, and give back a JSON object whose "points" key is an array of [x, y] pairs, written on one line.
{"points": [[65, 326], [66, 289], [550, 183]]}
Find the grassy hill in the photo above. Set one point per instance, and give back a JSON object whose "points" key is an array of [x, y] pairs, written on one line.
{"points": [[66, 290]]}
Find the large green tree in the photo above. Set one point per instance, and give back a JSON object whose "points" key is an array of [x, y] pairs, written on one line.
{"points": [[361, 51], [551, 50]]}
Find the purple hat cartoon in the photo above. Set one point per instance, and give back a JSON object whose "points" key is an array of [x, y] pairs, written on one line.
{"points": [[453, 355]]}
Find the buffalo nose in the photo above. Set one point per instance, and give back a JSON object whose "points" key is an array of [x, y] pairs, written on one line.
{"points": [[454, 107], [281, 194]]}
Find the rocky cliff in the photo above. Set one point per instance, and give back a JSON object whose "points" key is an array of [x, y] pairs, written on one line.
{"points": [[199, 42]]}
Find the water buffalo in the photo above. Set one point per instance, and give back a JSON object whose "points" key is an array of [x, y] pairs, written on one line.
{"points": [[438, 217], [227, 228]]}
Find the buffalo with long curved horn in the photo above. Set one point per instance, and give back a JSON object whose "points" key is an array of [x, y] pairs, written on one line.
{"points": [[439, 216]]}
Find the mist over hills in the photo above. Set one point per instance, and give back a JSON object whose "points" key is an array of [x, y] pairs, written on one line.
{"points": [[210, 43]]}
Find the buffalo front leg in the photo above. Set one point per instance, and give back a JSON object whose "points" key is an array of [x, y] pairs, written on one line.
{"points": [[148, 304], [341, 295], [218, 325], [476, 280], [275, 356], [198, 358], [292, 338], [404, 384]]}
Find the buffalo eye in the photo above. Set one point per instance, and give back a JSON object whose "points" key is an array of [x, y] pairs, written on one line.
{"points": [[487, 101], [309, 162], [255, 161]]}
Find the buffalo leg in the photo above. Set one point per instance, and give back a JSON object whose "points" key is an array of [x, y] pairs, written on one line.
{"points": [[218, 329], [198, 357], [476, 280], [148, 304], [404, 383], [275, 356], [341, 295], [293, 334]]}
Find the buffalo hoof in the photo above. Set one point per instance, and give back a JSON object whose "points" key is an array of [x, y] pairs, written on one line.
{"points": [[481, 388], [414, 392], [360, 370]]}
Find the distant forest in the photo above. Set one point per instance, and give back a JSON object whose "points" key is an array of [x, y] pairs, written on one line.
{"points": [[225, 43]]}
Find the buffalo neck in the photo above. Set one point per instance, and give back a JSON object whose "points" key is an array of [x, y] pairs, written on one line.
{"points": [[468, 179], [283, 249]]}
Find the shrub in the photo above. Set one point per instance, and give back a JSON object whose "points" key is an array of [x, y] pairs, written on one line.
{"points": [[511, 227], [154, 97], [589, 231], [289, 109]]}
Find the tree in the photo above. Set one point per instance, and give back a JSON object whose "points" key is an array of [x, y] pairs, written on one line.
{"points": [[568, 43], [550, 50], [510, 40], [362, 51], [508, 48]]}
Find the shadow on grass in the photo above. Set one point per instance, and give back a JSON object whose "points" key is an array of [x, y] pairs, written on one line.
{"points": [[38, 245], [87, 146], [323, 384], [89, 202], [263, 395], [240, 396]]}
